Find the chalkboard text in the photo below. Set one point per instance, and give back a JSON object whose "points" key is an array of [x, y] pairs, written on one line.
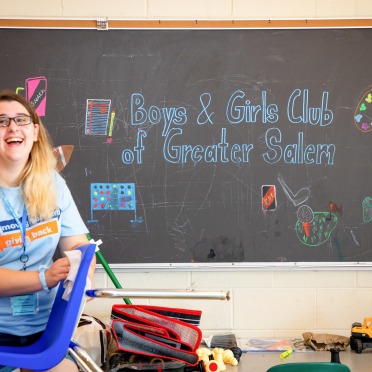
{"points": [[239, 111]]}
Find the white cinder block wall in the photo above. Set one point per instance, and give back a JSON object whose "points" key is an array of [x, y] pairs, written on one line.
{"points": [[264, 303]]}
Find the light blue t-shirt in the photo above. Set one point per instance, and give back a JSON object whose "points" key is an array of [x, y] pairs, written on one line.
{"points": [[42, 239]]}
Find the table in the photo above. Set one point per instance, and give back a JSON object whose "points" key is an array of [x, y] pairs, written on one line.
{"points": [[262, 361]]}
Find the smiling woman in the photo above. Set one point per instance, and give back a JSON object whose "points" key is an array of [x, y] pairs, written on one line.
{"points": [[18, 139], [37, 213]]}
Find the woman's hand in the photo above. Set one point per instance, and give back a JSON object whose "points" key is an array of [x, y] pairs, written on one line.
{"points": [[67, 243], [57, 272]]}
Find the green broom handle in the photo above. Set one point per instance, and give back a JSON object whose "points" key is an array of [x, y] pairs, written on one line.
{"points": [[106, 266]]}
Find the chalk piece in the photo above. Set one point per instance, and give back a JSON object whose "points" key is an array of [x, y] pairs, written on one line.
{"points": [[285, 353]]}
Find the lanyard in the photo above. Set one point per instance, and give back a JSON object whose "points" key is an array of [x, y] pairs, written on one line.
{"points": [[22, 227]]}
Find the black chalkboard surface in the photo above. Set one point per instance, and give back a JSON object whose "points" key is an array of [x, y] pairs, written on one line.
{"points": [[206, 146]]}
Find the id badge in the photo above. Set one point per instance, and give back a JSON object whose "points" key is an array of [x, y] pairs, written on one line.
{"points": [[25, 304]]}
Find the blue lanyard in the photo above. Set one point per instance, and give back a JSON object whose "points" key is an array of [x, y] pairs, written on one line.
{"points": [[22, 227]]}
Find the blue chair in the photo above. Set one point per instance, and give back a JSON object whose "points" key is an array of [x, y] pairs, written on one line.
{"points": [[52, 346], [310, 367]]}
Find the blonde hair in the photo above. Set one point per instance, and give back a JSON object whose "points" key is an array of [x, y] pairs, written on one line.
{"points": [[37, 178]]}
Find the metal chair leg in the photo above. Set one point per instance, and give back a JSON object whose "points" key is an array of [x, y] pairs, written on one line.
{"points": [[82, 358]]}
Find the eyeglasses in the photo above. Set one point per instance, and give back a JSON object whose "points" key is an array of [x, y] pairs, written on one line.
{"points": [[20, 120]]}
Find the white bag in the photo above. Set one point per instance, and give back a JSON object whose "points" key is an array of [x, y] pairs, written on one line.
{"points": [[93, 336]]}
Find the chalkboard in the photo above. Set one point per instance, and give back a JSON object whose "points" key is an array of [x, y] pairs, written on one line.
{"points": [[209, 146]]}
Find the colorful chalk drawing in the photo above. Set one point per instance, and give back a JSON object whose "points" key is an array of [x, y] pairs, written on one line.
{"points": [[363, 112], [367, 209], [268, 195], [97, 116], [317, 231], [111, 127], [63, 155], [305, 215], [113, 196], [36, 93]]}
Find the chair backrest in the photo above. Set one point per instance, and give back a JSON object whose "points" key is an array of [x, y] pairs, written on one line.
{"points": [[52, 346], [310, 367]]}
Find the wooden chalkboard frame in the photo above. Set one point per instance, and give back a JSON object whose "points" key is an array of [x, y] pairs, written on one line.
{"points": [[208, 24], [186, 24]]}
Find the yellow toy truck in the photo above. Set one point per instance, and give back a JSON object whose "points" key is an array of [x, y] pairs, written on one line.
{"points": [[361, 335]]}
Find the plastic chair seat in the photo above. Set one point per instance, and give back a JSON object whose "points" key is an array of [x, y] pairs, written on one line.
{"points": [[310, 367], [52, 346]]}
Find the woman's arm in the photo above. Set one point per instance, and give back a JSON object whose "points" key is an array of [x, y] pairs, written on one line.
{"points": [[13, 282]]}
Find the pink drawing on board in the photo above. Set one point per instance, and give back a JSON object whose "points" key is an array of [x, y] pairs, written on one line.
{"points": [[36, 93]]}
